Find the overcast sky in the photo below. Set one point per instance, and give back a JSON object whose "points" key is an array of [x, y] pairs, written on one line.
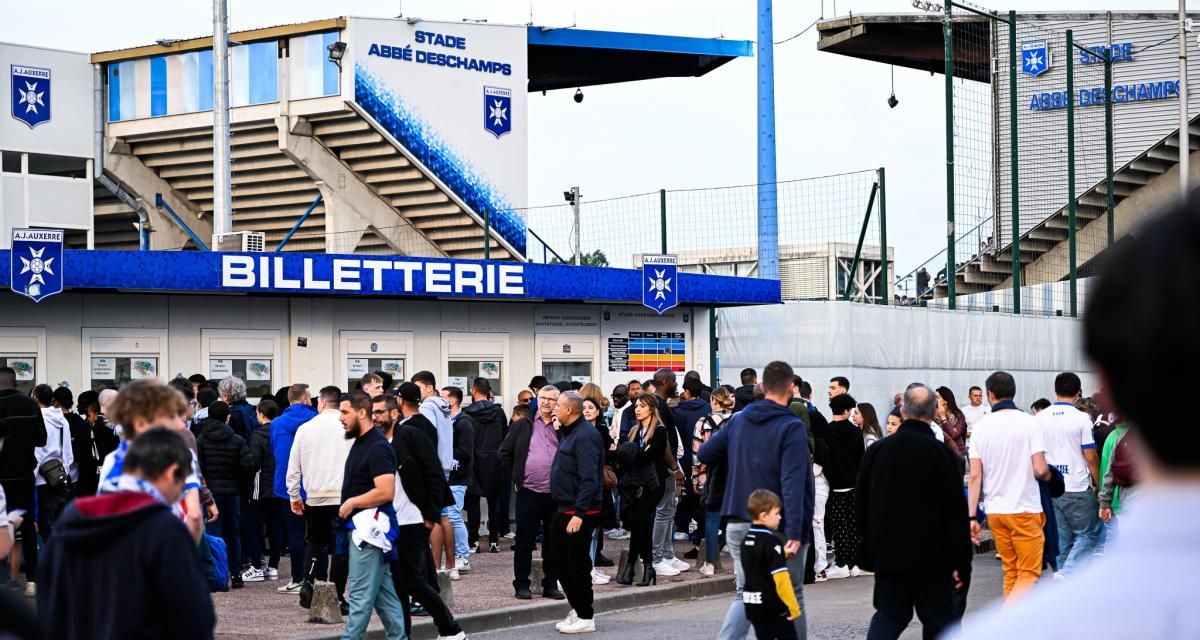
{"points": [[831, 111]]}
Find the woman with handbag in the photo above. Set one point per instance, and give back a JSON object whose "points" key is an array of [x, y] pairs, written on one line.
{"points": [[644, 467]]}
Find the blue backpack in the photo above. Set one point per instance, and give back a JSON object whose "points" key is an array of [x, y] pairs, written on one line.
{"points": [[216, 561]]}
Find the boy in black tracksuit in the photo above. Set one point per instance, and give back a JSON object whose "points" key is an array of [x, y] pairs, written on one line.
{"points": [[768, 596]]}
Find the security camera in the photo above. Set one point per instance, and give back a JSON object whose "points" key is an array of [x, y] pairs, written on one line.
{"points": [[578, 96], [892, 101]]}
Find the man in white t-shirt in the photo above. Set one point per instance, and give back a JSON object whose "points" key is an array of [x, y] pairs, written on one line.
{"points": [[976, 410], [1067, 434], [1007, 460]]}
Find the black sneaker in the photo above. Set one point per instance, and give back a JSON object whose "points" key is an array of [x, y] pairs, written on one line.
{"points": [[306, 594], [604, 561], [495, 548], [345, 607], [236, 582], [524, 594], [553, 594], [693, 554]]}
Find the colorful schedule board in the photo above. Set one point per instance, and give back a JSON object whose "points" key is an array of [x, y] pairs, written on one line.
{"points": [[647, 351]]}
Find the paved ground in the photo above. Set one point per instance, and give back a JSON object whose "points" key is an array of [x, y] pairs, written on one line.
{"points": [[837, 609]]}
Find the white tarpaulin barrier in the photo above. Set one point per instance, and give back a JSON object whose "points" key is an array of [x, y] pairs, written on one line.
{"points": [[882, 349]]}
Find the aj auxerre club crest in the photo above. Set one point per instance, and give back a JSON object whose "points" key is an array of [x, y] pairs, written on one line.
{"points": [[30, 94], [1035, 57], [36, 263], [660, 284], [497, 110]]}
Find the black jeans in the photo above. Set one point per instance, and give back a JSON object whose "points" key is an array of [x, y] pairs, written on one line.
{"points": [[228, 528], [641, 528], [408, 576], [260, 513], [533, 509], [571, 561], [50, 504], [321, 527], [497, 518], [897, 594], [777, 629], [19, 494]]}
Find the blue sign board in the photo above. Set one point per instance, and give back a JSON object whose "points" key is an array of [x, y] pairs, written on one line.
{"points": [[660, 273], [36, 263], [391, 276], [1035, 57], [497, 110], [30, 94]]}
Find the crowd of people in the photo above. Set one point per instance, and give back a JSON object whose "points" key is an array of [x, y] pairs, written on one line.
{"points": [[159, 494]]}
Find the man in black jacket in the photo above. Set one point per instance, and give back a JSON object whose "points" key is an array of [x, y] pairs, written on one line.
{"points": [[845, 455], [26, 431], [490, 428], [744, 394], [227, 466], [910, 507], [418, 510], [143, 575], [576, 482]]}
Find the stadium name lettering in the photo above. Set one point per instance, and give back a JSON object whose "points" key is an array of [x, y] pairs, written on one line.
{"points": [[1144, 92], [438, 59], [1122, 52], [371, 276]]}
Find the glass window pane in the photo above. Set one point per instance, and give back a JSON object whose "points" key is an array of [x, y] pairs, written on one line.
{"points": [[26, 368], [257, 373], [568, 371], [358, 367], [471, 369]]}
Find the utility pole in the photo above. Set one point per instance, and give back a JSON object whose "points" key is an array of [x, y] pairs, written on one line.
{"points": [[572, 197], [1185, 147], [222, 181]]}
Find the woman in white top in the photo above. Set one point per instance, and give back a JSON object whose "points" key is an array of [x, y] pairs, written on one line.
{"points": [[865, 418]]}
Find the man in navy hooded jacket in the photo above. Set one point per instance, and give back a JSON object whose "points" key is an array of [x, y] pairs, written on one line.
{"points": [[765, 447], [283, 434]]}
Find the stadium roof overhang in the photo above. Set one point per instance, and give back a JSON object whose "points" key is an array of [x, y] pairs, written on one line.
{"points": [[569, 58]]}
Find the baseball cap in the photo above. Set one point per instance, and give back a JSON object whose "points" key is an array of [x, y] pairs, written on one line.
{"points": [[409, 392]]}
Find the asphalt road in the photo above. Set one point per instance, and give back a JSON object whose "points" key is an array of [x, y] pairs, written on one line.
{"points": [[837, 609]]}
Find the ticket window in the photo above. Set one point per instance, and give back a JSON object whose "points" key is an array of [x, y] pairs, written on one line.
{"points": [[251, 355], [568, 357], [114, 357], [366, 352], [23, 351], [476, 355]]}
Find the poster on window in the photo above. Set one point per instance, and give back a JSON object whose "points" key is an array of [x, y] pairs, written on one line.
{"points": [[460, 382], [258, 370], [489, 369], [357, 367], [23, 367], [219, 368], [581, 379], [104, 368], [143, 368], [394, 368]]}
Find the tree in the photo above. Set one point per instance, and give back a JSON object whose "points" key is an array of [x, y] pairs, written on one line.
{"points": [[593, 259]]}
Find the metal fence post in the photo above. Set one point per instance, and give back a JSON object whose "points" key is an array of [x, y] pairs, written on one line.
{"points": [[1013, 169], [862, 237], [1071, 257], [662, 210], [948, 42], [487, 234], [712, 348], [883, 247], [1108, 137]]}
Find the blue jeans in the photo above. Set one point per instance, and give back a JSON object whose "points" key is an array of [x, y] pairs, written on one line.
{"points": [[294, 528], [736, 626], [228, 528], [370, 587], [712, 534], [455, 513], [1079, 527]]}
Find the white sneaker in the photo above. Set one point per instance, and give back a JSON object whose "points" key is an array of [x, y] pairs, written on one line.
{"points": [[463, 565], [290, 588], [509, 536], [599, 577], [680, 564], [461, 635], [665, 568], [618, 534], [271, 574], [1059, 577], [836, 572], [579, 626], [252, 575], [681, 536], [856, 572], [708, 570], [31, 592], [454, 575], [571, 618]]}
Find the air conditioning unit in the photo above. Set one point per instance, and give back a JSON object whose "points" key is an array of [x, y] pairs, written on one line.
{"points": [[246, 241]]}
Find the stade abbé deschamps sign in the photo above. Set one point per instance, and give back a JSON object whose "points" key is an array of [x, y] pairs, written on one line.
{"points": [[1033, 65], [383, 276]]}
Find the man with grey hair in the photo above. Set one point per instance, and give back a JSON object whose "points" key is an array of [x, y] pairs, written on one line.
{"points": [[909, 507], [576, 485], [242, 416]]}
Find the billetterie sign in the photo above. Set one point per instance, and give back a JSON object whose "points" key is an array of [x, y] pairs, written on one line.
{"points": [[371, 275]]}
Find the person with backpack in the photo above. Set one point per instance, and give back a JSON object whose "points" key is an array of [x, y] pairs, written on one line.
{"points": [[225, 459], [709, 480], [1118, 480], [242, 418], [86, 466], [262, 507], [54, 482]]}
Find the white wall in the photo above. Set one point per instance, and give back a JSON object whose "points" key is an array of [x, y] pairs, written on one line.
{"points": [[883, 349]]}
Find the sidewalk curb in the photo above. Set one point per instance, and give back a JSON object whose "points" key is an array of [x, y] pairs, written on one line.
{"points": [[546, 611]]}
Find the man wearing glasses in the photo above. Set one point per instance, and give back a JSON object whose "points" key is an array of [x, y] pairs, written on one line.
{"points": [[528, 453]]}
